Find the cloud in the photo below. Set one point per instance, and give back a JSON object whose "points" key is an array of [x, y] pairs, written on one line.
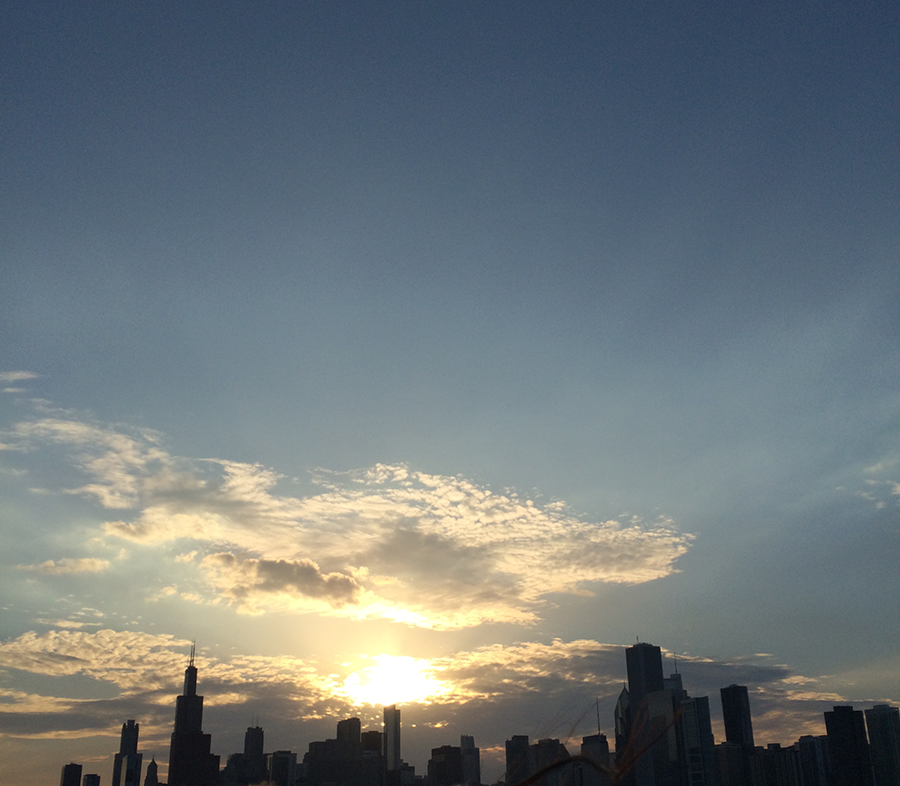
{"points": [[67, 565], [388, 541], [119, 464], [16, 376], [145, 672], [250, 582]]}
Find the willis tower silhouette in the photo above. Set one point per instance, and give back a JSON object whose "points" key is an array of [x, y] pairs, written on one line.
{"points": [[190, 762]]}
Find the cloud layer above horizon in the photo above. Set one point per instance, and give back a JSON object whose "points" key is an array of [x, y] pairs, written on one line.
{"points": [[385, 542]]}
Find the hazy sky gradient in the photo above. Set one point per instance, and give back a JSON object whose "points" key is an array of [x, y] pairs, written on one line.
{"points": [[443, 330]]}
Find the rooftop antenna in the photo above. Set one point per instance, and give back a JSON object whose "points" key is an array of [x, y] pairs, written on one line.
{"points": [[598, 715], [193, 649], [676, 662]]}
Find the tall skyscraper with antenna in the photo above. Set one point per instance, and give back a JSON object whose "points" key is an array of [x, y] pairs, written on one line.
{"points": [[190, 760]]}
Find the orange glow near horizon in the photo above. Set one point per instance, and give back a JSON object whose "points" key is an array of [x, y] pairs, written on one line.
{"points": [[394, 679]]}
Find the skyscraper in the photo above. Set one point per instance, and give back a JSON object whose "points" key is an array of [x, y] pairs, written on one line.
{"points": [[848, 748], [70, 775], [698, 741], [645, 673], [253, 765], [883, 723], [813, 755], [254, 745], [282, 768], [519, 764], [736, 714], [349, 730], [471, 761], [646, 744], [445, 767], [151, 779], [190, 760], [392, 761], [127, 762]]}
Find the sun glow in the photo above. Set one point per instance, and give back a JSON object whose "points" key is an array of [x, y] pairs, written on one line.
{"points": [[394, 679]]}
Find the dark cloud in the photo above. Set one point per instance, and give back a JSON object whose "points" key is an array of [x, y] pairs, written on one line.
{"points": [[245, 579]]}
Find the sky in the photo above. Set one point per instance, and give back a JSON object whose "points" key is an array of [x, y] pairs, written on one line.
{"points": [[433, 353]]}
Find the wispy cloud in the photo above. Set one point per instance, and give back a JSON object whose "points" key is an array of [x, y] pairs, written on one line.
{"points": [[388, 541], [16, 376], [69, 565]]}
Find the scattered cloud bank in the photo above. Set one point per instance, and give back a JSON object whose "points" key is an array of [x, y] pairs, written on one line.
{"points": [[428, 550]]}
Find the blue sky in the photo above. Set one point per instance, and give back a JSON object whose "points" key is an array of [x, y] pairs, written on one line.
{"points": [[445, 331]]}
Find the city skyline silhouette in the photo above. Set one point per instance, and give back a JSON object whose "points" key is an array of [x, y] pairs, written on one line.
{"points": [[663, 735]]}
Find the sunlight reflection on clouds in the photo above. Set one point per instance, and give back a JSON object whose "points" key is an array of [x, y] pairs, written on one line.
{"points": [[427, 550]]}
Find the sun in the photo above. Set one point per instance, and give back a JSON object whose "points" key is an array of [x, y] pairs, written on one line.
{"points": [[394, 679]]}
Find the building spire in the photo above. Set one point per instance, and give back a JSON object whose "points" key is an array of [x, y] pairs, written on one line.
{"points": [[190, 674]]}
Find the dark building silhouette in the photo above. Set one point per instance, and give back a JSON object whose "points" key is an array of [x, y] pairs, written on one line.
{"points": [[736, 715], [776, 766], [519, 759], [445, 766], [90, 779], [471, 761], [393, 763], [734, 757], [663, 735], [594, 747], [190, 760], [848, 749], [645, 721], [353, 759], [372, 741], [127, 762], [70, 775], [812, 753], [349, 730], [392, 758], [254, 761], [282, 768], [450, 765], [699, 743], [733, 763], [254, 743], [524, 760], [546, 753], [883, 724], [250, 766], [645, 673], [151, 778]]}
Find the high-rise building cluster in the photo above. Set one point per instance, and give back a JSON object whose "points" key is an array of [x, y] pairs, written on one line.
{"points": [[663, 737]]}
